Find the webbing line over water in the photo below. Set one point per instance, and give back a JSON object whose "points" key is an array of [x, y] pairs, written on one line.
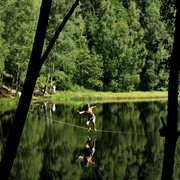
{"points": [[69, 124], [104, 131]]}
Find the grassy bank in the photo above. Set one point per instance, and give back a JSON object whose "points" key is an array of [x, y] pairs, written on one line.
{"points": [[88, 97], [8, 103], [92, 96]]}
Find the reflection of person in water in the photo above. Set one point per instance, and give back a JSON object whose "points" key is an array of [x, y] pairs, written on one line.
{"points": [[91, 117], [54, 107], [88, 152]]}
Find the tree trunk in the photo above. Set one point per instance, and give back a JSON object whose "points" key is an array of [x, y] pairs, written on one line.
{"points": [[25, 100], [35, 64], [171, 129], [17, 83]]}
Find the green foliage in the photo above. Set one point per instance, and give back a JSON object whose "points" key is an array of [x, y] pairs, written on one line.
{"points": [[3, 45], [156, 33], [106, 45], [19, 19]]}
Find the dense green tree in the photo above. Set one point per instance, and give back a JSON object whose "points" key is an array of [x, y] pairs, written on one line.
{"points": [[153, 75], [19, 24], [106, 45], [62, 68], [132, 57], [3, 44], [3, 52], [117, 37], [103, 37]]}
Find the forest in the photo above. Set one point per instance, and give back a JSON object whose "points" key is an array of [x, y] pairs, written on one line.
{"points": [[107, 45]]}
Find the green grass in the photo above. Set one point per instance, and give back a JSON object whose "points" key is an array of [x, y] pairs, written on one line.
{"points": [[88, 97], [92, 96], [8, 103]]}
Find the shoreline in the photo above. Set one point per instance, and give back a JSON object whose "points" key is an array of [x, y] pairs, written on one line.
{"points": [[67, 96], [93, 97]]}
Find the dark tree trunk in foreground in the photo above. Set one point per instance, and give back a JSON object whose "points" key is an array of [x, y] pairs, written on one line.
{"points": [[35, 64], [25, 100], [171, 133]]}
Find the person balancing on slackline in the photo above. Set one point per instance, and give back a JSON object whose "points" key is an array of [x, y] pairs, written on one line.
{"points": [[91, 117]]}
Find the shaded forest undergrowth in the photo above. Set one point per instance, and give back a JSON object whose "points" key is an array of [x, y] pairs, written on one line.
{"points": [[7, 92]]}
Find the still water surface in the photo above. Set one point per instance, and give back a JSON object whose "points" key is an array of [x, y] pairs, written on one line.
{"points": [[128, 143]]}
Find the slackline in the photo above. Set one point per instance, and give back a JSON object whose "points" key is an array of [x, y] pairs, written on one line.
{"points": [[104, 131]]}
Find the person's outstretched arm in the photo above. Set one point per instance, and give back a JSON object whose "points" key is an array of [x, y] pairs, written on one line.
{"points": [[95, 105], [80, 112], [79, 157]]}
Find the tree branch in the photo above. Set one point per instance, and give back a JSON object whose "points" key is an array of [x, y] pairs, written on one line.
{"points": [[58, 31]]}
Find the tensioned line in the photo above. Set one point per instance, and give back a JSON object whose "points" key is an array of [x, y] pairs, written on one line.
{"points": [[69, 124], [101, 130]]}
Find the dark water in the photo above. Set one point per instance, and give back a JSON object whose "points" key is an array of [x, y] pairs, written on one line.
{"points": [[128, 143]]}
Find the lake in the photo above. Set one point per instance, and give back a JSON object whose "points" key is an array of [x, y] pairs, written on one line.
{"points": [[128, 143]]}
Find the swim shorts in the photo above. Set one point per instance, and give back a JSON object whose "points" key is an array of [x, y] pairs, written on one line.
{"points": [[89, 151], [91, 118]]}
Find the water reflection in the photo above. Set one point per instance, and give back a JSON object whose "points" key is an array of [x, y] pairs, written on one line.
{"points": [[88, 153], [128, 142], [6, 118]]}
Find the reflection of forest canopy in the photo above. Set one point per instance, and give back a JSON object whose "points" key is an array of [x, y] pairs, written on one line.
{"points": [[106, 45], [47, 147]]}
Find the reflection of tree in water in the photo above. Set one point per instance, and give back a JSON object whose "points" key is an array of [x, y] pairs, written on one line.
{"points": [[137, 155], [152, 153], [28, 162], [172, 134], [48, 146], [116, 147], [58, 153], [6, 120]]}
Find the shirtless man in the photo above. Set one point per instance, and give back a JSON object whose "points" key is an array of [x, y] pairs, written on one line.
{"points": [[88, 153], [91, 117]]}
